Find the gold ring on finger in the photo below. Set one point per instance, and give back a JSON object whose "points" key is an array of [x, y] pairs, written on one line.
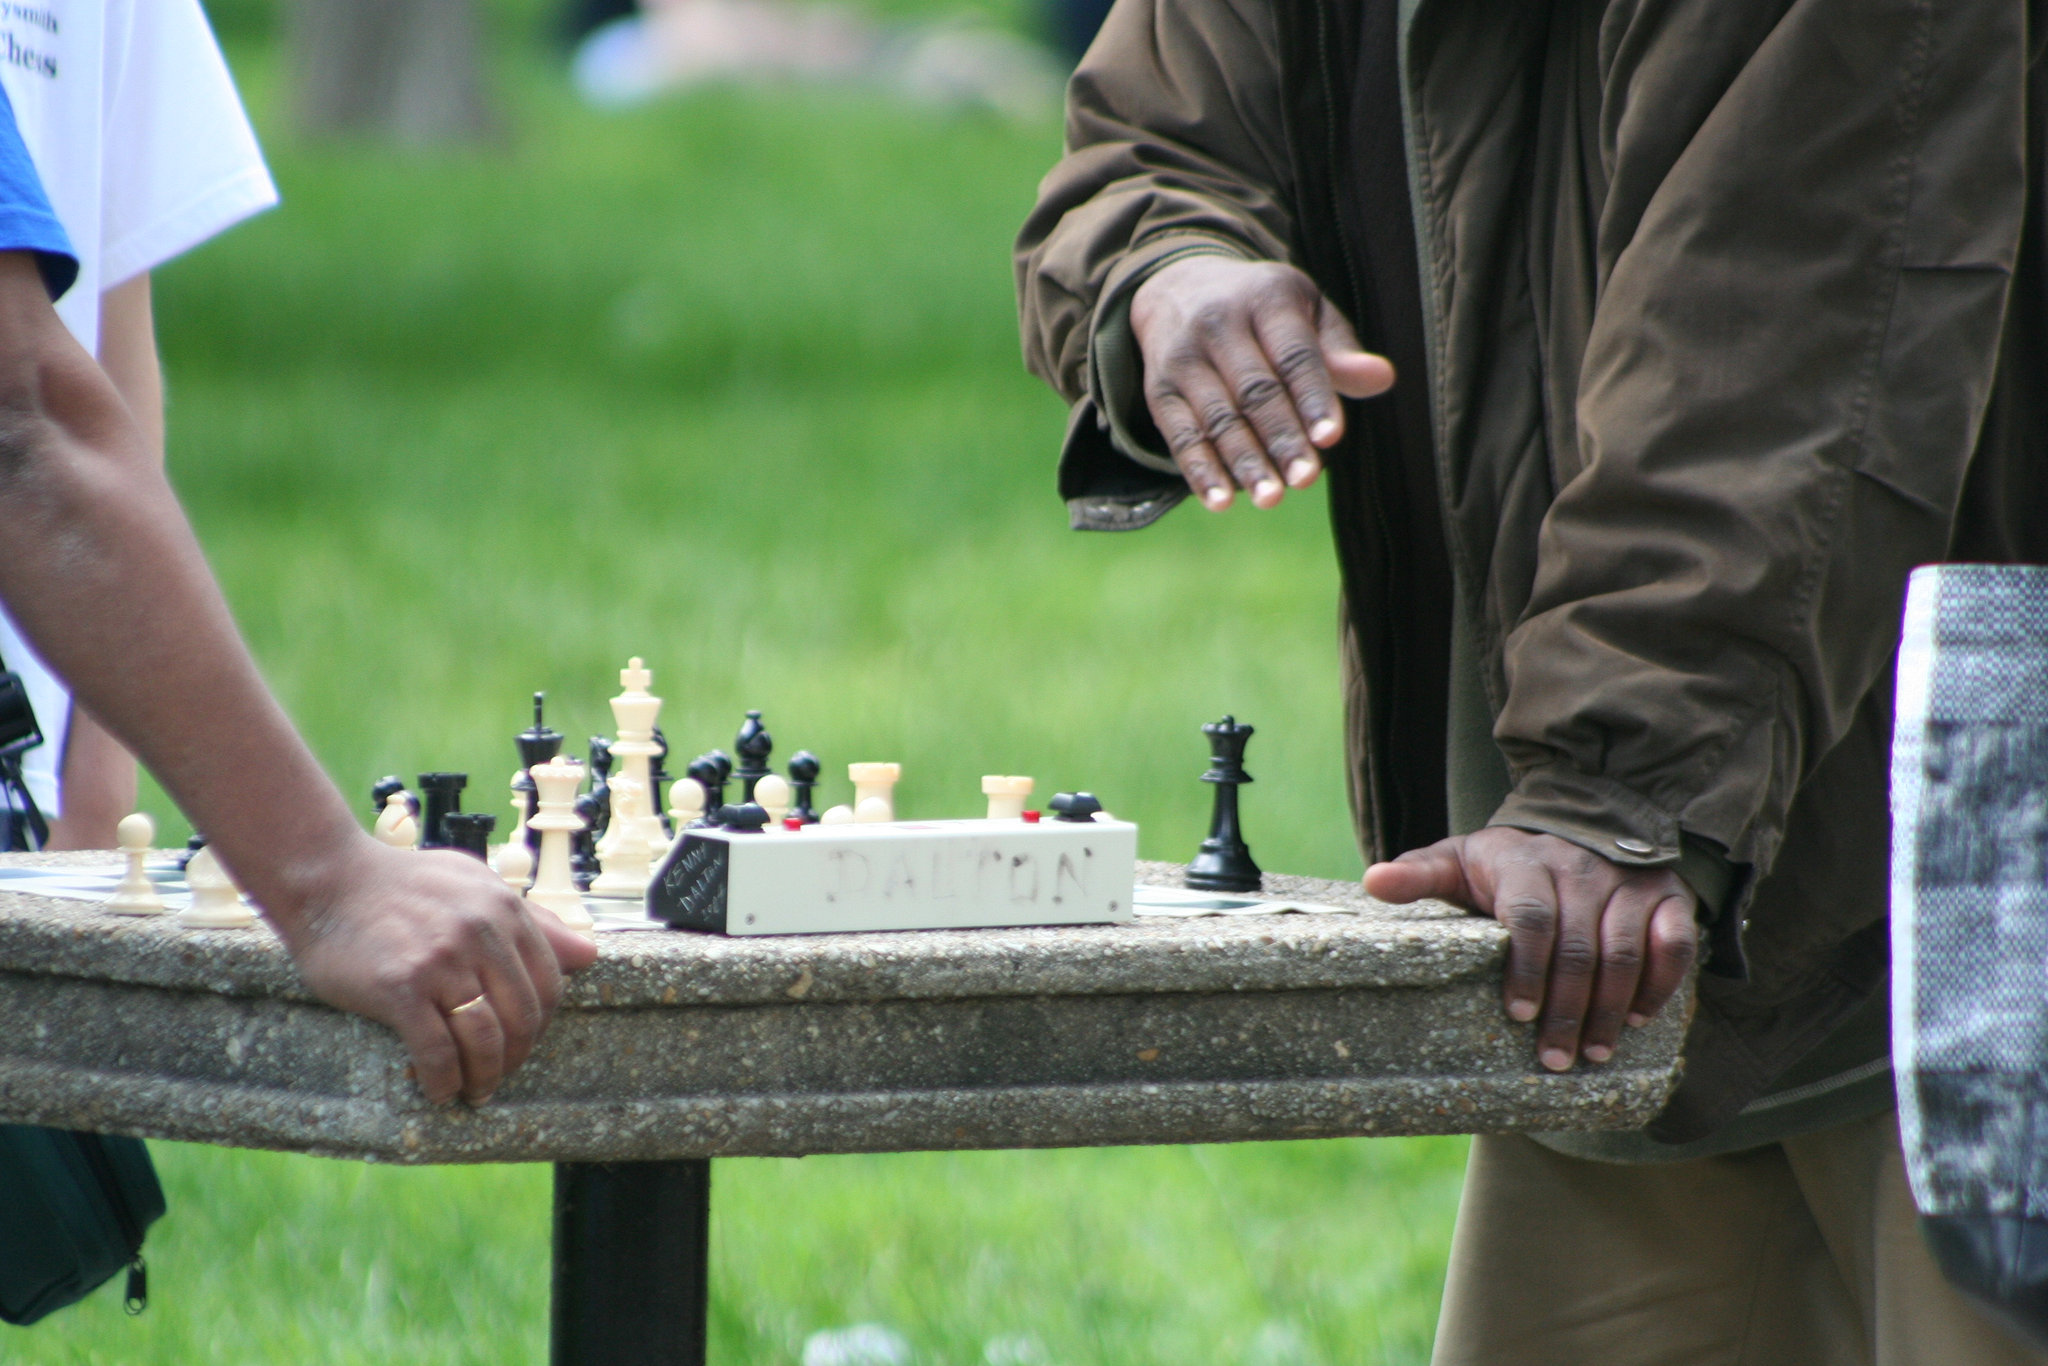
{"points": [[467, 1005]]}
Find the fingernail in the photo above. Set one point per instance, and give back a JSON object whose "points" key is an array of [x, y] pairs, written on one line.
{"points": [[1323, 432], [1266, 488], [483, 1100], [1301, 471], [1637, 1021], [1557, 1060], [1598, 1052], [1523, 1011], [1217, 499]]}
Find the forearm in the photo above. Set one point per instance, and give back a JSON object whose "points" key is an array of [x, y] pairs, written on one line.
{"points": [[118, 598]]}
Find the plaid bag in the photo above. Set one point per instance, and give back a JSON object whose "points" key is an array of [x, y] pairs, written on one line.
{"points": [[1969, 920]]}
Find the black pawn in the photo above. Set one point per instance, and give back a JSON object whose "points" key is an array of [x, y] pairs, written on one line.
{"points": [[658, 779], [747, 818], [583, 867], [470, 831], [443, 798], [600, 786], [383, 791], [803, 780], [192, 848], [711, 770], [1225, 863], [754, 744], [1075, 806], [537, 744]]}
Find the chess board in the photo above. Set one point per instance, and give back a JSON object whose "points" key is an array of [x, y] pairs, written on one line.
{"points": [[96, 884]]}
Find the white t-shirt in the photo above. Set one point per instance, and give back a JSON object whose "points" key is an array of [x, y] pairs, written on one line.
{"points": [[144, 150]]}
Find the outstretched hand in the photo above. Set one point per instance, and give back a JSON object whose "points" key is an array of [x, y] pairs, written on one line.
{"points": [[1591, 943], [1244, 361], [436, 946]]}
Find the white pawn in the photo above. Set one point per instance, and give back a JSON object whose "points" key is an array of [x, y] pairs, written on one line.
{"points": [[685, 804], [515, 864], [771, 794], [837, 815], [873, 811], [1006, 795], [216, 901], [629, 865], [395, 824], [135, 894], [874, 781]]}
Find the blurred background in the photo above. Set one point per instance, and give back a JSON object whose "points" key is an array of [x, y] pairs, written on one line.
{"points": [[585, 333]]}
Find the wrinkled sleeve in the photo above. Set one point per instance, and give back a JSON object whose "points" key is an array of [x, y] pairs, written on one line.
{"points": [[1805, 268], [1173, 148]]}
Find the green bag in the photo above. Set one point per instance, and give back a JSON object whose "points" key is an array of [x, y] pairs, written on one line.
{"points": [[73, 1209]]}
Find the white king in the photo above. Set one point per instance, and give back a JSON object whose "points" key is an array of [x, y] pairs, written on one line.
{"points": [[635, 711]]}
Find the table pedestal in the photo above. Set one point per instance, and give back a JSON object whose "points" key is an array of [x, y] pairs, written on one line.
{"points": [[632, 1253]]}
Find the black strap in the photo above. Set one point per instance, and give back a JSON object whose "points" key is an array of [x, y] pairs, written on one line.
{"points": [[22, 826]]}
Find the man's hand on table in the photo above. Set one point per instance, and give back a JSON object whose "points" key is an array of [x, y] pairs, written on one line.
{"points": [[1244, 361], [1591, 943], [414, 939]]}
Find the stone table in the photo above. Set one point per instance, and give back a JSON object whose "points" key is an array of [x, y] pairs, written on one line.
{"points": [[676, 1047]]}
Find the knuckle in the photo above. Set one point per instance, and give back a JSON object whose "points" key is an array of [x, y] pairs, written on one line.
{"points": [[1622, 956], [1221, 419], [1528, 916], [1575, 956], [1299, 362], [1184, 441], [1259, 391], [1213, 318]]}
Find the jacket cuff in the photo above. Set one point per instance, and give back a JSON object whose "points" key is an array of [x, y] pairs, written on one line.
{"points": [[1116, 370], [1617, 823]]}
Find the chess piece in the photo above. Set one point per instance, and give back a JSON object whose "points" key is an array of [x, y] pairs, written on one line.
{"points": [[216, 902], [443, 794], [193, 844], [837, 815], [753, 744], [601, 785], [1074, 806], [771, 794], [635, 710], [396, 826], [658, 777], [537, 744], [803, 776], [745, 818], [515, 863], [555, 783], [628, 866], [135, 894], [1225, 863], [583, 864], [710, 771], [877, 781], [685, 803], [872, 810], [1006, 796], [380, 793], [470, 831]]}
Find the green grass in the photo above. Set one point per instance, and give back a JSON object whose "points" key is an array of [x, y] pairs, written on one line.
{"points": [[732, 383]]}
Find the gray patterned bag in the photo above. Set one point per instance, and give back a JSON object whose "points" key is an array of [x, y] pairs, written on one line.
{"points": [[1970, 928]]}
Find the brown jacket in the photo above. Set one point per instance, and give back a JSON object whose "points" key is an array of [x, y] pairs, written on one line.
{"points": [[1713, 319]]}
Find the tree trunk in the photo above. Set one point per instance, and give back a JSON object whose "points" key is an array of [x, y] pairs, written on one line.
{"points": [[409, 71]]}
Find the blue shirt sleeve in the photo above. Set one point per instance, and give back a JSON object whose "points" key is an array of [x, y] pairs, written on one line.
{"points": [[27, 223]]}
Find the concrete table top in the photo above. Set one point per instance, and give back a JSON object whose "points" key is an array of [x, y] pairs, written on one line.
{"points": [[676, 1044]]}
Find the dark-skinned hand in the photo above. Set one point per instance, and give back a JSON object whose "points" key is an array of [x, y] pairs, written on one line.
{"points": [[1244, 363], [1592, 944]]}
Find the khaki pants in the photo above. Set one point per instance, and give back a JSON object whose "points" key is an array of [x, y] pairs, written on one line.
{"points": [[1802, 1253]]}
